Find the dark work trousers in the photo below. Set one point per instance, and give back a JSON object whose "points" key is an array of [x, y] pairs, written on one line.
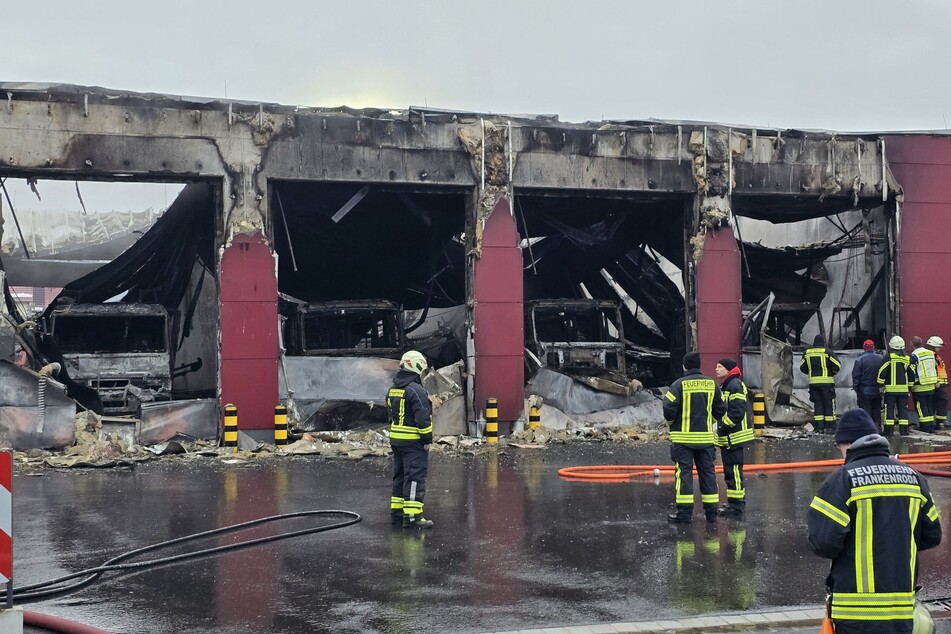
{"points": [[733, 474], [410, 464], [873, 406], [941, 406], [924, 406], [823, 399], [896, 412], [685, 456]]}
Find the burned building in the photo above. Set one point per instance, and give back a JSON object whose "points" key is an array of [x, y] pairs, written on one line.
{"points": [[691, 229]]}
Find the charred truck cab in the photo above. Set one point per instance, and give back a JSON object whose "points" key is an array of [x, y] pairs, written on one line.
{"points": [[576, 335], [372, 328], [120, 350]]}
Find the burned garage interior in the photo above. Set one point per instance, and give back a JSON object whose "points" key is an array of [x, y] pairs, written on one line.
{"points": [[133, 332], [365, 272], [618, 259], [812, 268], [528, 258]]}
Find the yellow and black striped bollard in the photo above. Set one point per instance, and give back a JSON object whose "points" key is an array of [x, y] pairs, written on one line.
{"points": [[759, 413], [534, 417], [280, 425], [492, 421], [231, 426]]}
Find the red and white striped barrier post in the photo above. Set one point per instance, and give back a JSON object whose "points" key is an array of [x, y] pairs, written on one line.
{"points": [[6, 524], [11, 619]]}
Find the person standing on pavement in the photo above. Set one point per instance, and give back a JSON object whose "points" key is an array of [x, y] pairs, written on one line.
{"points": [[871, 517], [935, 343], [894, 377], [734, 432], [411, 432], [821, 366], [691, 406], [924, 371], [865, 382]]}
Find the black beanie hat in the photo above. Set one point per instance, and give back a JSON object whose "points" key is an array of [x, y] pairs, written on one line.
{"points": [[819, 341], [729, 364], [854, 424], [692, 361]]}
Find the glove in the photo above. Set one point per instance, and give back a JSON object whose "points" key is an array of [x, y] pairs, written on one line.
{"points": [[723, 430]]}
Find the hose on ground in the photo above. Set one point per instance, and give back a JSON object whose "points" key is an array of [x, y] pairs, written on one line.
{"points": [[52, 587], [624, 473], [56, 624]]}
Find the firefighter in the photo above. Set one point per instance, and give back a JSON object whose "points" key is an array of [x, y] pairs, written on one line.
{"points": [[734, 432], [691, 405], [925, 373], [894, 377], [411, 431], [941, 388], [821, 366], [871, 517], [865, 382]]}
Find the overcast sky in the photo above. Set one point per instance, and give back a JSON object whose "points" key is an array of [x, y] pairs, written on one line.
{"points": [[839, 64], [836, 64]]}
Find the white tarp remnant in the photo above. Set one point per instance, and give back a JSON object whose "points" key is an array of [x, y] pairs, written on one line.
{"points": [[161, 421]]}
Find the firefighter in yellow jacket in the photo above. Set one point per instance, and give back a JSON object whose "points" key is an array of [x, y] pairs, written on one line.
{"points": [[691, 406], [894, 377], [935, 343], [821, 366], [411, 432], [924, 370], [734, 433], [871, 517]]}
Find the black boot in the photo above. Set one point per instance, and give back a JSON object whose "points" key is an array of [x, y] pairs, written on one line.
{"points": [[903, 430], [731, 510], [417, 521], [710, 512], [396, 518], [680, 516], [889, 430]]}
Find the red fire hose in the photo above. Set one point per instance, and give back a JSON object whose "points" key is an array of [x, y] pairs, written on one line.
{"points": [[56, 624]]}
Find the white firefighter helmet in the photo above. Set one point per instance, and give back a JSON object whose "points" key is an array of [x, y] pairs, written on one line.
{"points": [[896, 343], [413, 361], [936, 342]]}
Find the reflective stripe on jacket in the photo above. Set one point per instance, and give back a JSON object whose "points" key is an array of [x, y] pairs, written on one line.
{"points": [[893, 374], [821, 366], [738, 418], [410, 411], [925, 372], [871, 517], [691, 405], [942, 369]]}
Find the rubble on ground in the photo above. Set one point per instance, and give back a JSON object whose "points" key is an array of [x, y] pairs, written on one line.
{"points": [[97, 447]]}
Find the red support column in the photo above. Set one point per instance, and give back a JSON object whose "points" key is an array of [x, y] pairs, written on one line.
{"points": [[922, 166], [719, 300], [249, 325], [498, 316]]}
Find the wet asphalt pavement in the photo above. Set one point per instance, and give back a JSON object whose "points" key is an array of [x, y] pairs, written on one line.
{"points": [[514, 547]]}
